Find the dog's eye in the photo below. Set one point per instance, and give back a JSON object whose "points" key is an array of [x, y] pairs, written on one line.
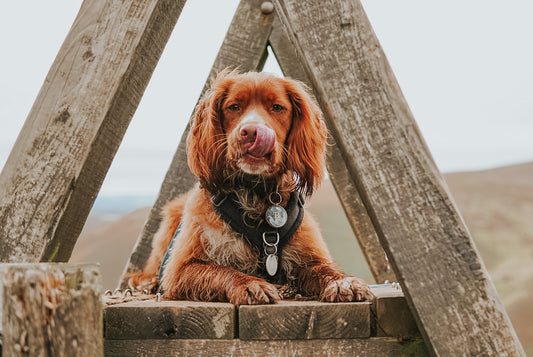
{"points": [[277, 108], [234, 107]]}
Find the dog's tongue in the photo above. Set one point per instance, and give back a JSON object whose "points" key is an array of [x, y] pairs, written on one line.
{"points": [[264, 141]]}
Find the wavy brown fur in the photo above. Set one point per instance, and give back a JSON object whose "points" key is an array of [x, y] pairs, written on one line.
{"points": [[211, 262]]}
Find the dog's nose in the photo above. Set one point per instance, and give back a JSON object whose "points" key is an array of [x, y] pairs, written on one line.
{"points": [[249, 132], [261, 138]]}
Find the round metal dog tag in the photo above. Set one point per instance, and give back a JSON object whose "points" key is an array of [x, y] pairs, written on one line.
{"points": [[271, 264], [276, 216]]}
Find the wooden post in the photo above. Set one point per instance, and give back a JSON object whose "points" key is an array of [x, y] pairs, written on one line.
{"points": [[244, 47], [51, 310], [71, 135], [342, 182], [446, 284]]}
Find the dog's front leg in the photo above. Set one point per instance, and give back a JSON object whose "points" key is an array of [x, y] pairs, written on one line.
{"points": [[210, 282]]}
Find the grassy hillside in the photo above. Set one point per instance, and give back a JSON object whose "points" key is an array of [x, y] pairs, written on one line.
{"points": [[497, 206]]}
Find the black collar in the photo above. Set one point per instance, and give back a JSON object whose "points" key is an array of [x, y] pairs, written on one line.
{"points": [[260, 186]]}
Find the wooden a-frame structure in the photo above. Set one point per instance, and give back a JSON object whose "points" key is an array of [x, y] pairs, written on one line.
{"points": [[387, 182]]}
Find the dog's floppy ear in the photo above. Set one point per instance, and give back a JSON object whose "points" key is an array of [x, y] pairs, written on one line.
{"points": [[206, 144], [306, 144]]}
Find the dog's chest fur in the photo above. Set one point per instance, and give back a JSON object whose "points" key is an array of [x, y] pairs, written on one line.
{"points": [[228, 248]]}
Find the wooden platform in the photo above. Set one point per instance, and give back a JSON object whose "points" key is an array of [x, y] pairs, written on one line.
{"points": [[383, 327]]}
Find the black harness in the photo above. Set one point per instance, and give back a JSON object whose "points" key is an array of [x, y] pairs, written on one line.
{"points": [[266, 239]]}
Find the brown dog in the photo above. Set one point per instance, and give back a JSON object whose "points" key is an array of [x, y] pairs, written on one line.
{"points": [[257, 145]]}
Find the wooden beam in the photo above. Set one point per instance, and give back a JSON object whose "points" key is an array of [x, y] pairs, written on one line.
{"points": [[149, 326], [244, 47], [304, 320], [391, 315], [169, 320], [73, 131], [144, 318], [51, 310], [342, 182], [431, 251], [367, 347]]}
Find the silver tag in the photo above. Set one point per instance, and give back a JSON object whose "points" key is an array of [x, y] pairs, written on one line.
{"points": [[276, 216], [271, 264]]}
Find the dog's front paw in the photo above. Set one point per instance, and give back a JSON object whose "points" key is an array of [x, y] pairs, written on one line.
{"points": [[346, 289], [142, 281], [253, 292]]}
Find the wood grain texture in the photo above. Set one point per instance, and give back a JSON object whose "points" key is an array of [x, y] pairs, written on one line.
{"points": [[51, 310], [169, 320], [431, 251], [342, 182], [369, 347], [391, 315], [299, 320], [244, 47], [76, 124]]}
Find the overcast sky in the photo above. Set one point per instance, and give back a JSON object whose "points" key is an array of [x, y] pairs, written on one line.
{"points": [[465, 68]]}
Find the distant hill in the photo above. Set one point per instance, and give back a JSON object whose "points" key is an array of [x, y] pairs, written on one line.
{"points": [[110, 243], [497, 206]]}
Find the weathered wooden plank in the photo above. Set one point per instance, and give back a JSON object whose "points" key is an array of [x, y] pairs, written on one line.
{"points": [[295, 320], [342, 182], [369, 347], [169, 320], [244, 47], [51, 310], [391, 315], [71, 135], [431, 251]]}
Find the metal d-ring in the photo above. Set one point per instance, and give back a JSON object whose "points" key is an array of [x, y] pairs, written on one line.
{"points": [[269, 252], [217, 202], [273, 195], [128, 291], [268, 243]]}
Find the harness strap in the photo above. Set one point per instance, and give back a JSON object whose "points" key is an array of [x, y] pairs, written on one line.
{"points": [[254, 231], [167, 254]]}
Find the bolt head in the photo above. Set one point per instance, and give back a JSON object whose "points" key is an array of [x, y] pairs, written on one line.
{"points": [[267, 7]]}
